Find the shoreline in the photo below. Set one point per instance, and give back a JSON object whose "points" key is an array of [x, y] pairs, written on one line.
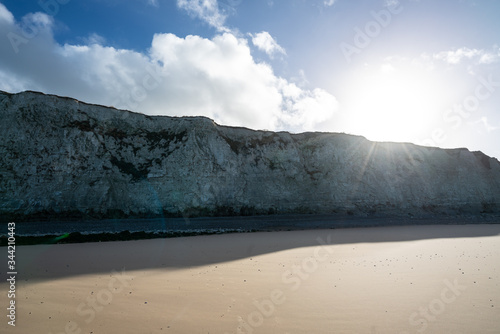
{"points": [[140, 229]]}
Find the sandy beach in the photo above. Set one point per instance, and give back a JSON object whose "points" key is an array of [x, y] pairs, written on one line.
{"points": [[411, 279]]}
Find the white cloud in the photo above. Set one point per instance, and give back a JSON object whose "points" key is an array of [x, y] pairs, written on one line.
{"points": [[217, 78], [206, 10], [38, 19], [480, 56], [265, 42], [305, 109], [5, 15], [95, 39], [328, 3]]}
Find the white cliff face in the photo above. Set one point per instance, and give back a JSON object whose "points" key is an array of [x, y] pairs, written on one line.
{"points": [[60, 156]]}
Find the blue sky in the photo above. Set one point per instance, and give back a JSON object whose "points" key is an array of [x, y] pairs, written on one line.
{"points": [[425, 71]]}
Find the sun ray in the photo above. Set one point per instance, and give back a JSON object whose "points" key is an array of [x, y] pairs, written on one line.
{"points": [[364, 165]]}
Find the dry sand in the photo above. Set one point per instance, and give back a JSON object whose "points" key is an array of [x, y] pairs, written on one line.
{"points": [[413, 279]]}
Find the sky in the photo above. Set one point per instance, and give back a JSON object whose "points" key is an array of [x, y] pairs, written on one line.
{"points": [[419, 71]]}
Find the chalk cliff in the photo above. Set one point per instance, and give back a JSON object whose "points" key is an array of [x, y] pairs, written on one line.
{"points": [[60, 156]]}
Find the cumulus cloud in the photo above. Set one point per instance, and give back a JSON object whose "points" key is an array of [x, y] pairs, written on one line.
{"points": [[265, 42], [5, 15], [217, 77], [479, 56], [305, 109]]}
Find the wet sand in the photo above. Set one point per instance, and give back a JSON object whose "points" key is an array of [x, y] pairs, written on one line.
{"points": [[409, 279]]}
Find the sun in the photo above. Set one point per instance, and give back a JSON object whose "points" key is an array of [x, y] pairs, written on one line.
{"points": [[394, 104]]}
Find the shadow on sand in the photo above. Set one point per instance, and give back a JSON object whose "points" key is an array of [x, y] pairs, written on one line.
{"points": [[48, 262]]}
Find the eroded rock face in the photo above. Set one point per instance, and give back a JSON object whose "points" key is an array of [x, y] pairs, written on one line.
{"points": [[61, 156]]}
